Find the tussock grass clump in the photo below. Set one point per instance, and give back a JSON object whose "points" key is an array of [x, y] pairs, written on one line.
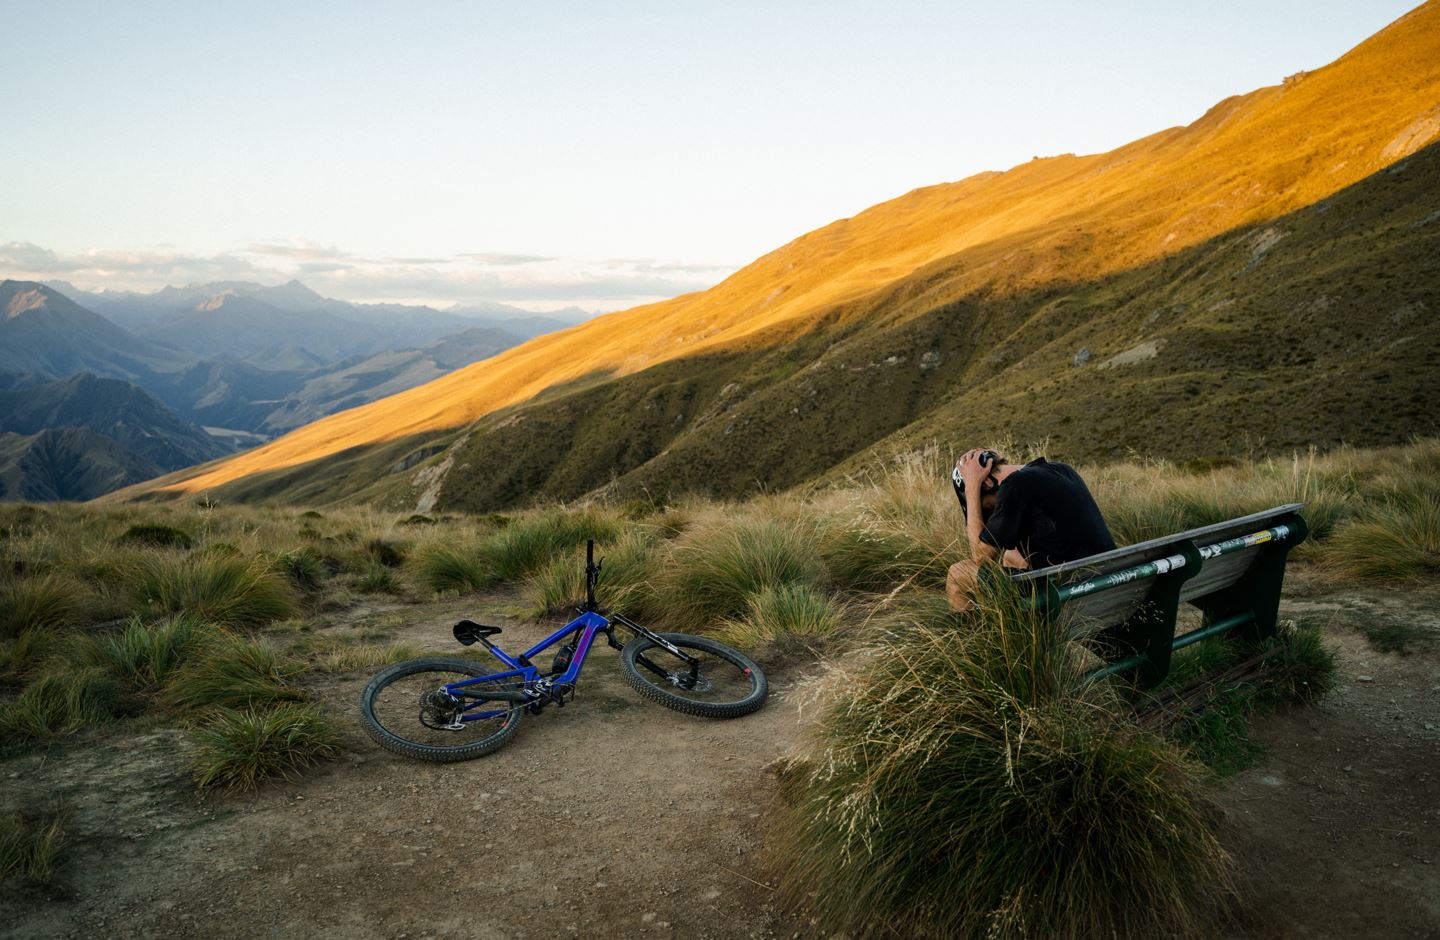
{"points": [[784, 613], [1303, 668], [59, 702], [46, 602], [348, 656], [146, 655], [378, 579], [963, 782], [240, 748], [902, 526], [627, 576], [1396, 540], [865, 557], [27, 652], [532, 541], [156, 536], [304, 567], [713, 570], [385, 552], [1156, 499], [457, 566], [230, 591], [29, 847], [232, 672]]}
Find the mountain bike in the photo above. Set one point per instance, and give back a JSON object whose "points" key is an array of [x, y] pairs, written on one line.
{"points": [[448, 709]]}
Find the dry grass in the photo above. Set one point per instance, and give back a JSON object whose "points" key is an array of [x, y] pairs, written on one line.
{"points": [[962, 781]]}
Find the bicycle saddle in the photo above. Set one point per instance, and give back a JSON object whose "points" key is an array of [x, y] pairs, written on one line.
{"points": [[468, 632]]}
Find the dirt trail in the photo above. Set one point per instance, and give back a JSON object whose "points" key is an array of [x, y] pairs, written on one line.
{"points": [[611, 817], [1337, 826], [618, 818]]}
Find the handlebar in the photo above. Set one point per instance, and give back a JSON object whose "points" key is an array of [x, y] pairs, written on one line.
{"points": [[592, 574]]}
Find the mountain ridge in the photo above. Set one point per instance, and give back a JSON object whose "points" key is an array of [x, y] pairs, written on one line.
{"points": [[982, 245]]}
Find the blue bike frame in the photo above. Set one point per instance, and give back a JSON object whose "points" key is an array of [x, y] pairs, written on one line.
{"points": [[539, 689], [586, 626]]}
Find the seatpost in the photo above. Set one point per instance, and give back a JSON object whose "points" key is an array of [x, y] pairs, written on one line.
{"points": [[592, 572]]}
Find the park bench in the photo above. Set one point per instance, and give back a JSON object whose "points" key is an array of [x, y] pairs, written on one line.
{"points": [[1125, 603]]}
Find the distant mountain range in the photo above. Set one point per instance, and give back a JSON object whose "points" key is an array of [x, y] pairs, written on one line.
{"points": [[1263, 279], [82, 436], [66, 464], [242, 361]]}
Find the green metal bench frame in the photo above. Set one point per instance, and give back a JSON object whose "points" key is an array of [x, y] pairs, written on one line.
{"points": [[1125, 603]]}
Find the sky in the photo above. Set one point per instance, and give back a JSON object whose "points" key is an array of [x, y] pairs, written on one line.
{"points": [[545, 154]]}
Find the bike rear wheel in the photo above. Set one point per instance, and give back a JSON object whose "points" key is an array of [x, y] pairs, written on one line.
{"points": [[405, 710], [727, 684]]}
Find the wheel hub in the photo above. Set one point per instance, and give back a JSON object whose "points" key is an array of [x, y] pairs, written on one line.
{"points": [[440, 710], [683, 681]]}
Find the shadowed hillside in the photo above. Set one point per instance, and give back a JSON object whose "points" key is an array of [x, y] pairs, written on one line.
{"points": [[1260, 278]]}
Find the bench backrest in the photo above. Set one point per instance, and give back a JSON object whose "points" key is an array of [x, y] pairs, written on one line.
{"points": [[1104, 608]]}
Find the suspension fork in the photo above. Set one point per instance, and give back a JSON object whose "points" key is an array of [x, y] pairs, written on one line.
{"points": [[661, 642]]}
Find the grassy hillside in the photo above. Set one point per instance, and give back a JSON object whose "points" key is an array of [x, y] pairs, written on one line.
{"points": [[1264, 276]]}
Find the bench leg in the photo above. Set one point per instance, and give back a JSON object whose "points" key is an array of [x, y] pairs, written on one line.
{"points": [[1257, 593], [1149, 634]]}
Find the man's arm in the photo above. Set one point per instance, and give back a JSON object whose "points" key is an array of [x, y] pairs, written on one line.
{"points": [[974, 476]]}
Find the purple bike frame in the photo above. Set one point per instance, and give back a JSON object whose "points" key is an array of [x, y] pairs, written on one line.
{"points": [[586, 626]]}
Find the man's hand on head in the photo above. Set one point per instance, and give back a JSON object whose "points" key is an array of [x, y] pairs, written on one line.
{"points": [[972, 471]]}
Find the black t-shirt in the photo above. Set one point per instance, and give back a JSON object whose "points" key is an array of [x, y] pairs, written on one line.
{"points": [[1045, 510]]}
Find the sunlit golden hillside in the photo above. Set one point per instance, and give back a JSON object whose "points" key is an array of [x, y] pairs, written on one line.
{"points": [[1227, 274]]}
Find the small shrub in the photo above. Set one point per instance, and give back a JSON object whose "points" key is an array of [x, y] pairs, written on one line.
{"points": [[29, 847], [784, 612], [47, 602], [156, 536], [232, 672], [963, 781], [240, 748], [61, 702], [712, 571], [228, 591]]}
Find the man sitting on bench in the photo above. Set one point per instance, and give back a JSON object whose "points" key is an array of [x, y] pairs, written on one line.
{"points": [[1034, 516]]}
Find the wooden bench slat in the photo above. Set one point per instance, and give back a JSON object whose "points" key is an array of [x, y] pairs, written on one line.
{"points": [[1231, 570], [1130, 555]]}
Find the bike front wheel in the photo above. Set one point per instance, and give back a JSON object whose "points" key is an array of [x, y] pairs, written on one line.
{"points": [[406, 710], [724, 684]]}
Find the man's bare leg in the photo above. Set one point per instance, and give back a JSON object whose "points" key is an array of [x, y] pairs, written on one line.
{"points": [[960, 582]]}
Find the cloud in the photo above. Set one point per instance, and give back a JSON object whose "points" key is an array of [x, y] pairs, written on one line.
{"points": [[502, 259], [124, 269], [533, 280], [300, 249]]}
